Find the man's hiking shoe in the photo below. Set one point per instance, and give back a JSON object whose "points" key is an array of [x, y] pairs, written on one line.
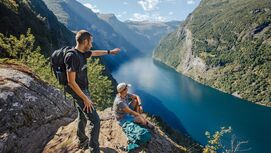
{"points": [[84, 144], [150, 125], [122, 148]]}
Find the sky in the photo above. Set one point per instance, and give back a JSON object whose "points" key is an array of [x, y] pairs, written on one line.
{"points": [[139, 10]]}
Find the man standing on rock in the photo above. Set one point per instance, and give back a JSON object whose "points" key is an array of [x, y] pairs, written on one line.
{"points": [[76, 67]]}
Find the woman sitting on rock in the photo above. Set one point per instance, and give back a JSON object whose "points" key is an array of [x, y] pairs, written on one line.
{"points": [[127, 107]]}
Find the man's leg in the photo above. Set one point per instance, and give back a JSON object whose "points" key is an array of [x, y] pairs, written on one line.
{"points": [[92, 116], [95, 131], [81, 125], [94, 119], [81, 118]]}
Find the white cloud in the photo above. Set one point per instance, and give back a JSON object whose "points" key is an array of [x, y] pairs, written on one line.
{"points": [[190, 2], [121, 14], [139, 17], [148, 5], [125, 3], [158, 17], [172, 1], [170, 13], [150, 17], [92, 7]]}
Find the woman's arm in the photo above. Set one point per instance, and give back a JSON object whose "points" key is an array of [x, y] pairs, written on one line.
{"points": [[129, 111]]}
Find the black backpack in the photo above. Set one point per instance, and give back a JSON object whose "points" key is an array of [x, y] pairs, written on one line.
{"points": [[58, 65]]}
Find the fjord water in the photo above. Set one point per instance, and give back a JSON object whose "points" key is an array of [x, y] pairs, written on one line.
{"points": [[189, 106]]}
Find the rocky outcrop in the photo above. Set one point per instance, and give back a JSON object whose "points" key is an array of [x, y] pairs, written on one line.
{"points": [[31, 111], [190, 63], [177, 52], [112, 139], [35, 118]]}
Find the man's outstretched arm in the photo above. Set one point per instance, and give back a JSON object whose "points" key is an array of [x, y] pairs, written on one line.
{"points": [[105, 52]]}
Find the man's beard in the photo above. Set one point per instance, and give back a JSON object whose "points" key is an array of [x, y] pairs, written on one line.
{"points": [[87, 48]]}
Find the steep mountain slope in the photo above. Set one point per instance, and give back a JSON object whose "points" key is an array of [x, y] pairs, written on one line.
{"points": [[138, 33], [225, 45], [76, 17], [17, 16], [129, 34], [153, 31]]}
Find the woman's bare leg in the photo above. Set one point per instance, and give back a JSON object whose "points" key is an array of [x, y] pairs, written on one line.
{"points": [[140, 120], [134, 104]]}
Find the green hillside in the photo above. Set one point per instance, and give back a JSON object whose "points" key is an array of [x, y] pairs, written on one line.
{"points": [[17, 16], [230, 47]]}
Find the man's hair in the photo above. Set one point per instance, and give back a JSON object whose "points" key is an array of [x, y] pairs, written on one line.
{"points": [[82, 35]]}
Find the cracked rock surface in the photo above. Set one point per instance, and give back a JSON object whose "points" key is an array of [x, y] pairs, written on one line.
{"points": [[30, 110], [112, 139]]}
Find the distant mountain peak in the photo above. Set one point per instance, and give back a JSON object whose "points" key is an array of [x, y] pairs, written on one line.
{"points": [[142, 22], [148, 22], [107, 16]]}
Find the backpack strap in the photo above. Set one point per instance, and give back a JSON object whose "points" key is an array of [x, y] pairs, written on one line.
{"points": [[72, 50], [64, 88]]}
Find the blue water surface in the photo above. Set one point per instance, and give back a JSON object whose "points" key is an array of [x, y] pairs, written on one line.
{"points": [[189, 106]]}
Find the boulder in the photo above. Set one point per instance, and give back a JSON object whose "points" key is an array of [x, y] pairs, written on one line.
{"points": [[31, 111]]}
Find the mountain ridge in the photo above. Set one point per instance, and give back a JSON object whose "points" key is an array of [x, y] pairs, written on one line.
{"points": [[140, 32], [54, 34]]}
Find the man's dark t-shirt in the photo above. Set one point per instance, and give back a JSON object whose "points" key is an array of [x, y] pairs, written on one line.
{"points": [[77, 62]]}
